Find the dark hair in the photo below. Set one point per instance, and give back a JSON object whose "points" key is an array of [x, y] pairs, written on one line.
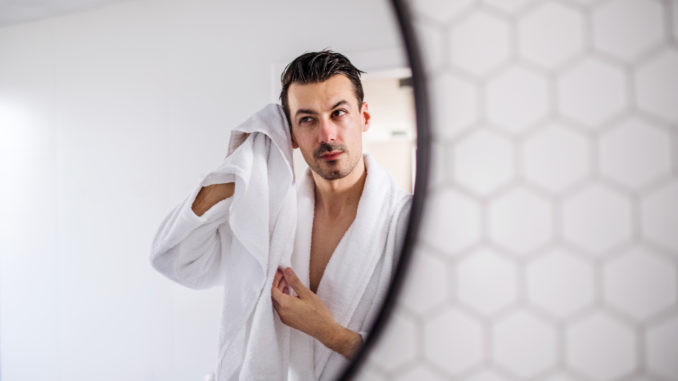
{"points": [[314, 67]]}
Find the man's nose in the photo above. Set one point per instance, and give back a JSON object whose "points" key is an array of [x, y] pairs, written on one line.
{"points": [[328, 131]]}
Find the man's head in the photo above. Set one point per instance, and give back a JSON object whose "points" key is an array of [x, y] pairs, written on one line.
{"points": [[322, 97]]}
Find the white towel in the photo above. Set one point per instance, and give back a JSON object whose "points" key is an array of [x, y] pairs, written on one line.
{"points": [[239, 243]]}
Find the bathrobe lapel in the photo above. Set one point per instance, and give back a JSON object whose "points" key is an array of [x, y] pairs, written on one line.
{"points": [[353, 262]]}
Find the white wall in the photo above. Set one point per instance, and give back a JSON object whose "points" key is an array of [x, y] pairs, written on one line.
{"points": [[107, 119], [549, 246]]}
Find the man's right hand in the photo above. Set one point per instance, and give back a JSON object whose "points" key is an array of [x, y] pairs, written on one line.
{"points": [[210, 195]]}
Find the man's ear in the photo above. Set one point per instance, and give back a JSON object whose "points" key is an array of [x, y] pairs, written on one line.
{"points": [[364, 112], [294, 142]]}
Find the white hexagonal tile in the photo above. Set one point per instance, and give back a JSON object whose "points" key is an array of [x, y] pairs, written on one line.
{"points": [[556, 157], [596, 218], [479, 43], [418, 373], [486, 281], [551, 34], [508, 5], [520, 220], [455, 105], [640, 283], [591, 92], [440, 10], [657, 85], [452, 221], [397, 345], [601, 347], [453, 341], [427, 283], [660, 215], [486, 375], [516, 110], [430, 40], [483, 161], [635, 152], [661, 342], [437, 170], [524, 344], [627, 28], [560, 283]]}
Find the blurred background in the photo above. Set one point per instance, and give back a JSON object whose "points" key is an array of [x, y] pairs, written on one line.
{"points": [[549, 247]]}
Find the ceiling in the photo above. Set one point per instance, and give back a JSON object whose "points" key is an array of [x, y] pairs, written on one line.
{"points": [[18, 11]]}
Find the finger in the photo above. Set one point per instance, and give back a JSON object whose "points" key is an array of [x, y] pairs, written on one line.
{"points": [[277, 295], [280, 287], [276, 279], [282, 295], [284, 286], [295, 283], [282, 282]]}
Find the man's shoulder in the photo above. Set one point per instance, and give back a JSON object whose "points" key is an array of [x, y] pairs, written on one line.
{"points": [[382, 180], [396, 203]]}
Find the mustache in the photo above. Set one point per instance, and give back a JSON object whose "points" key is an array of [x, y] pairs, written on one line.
{"points": [[328, 147]]}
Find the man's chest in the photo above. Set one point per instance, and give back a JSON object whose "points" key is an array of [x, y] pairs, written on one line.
{"points": [[325, 238]]}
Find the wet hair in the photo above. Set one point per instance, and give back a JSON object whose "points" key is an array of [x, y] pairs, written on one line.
{"points": [[314, 67]]}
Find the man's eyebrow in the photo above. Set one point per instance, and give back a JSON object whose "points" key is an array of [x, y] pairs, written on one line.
{"points": [[341, 102], [311, 112], [304, 111]]}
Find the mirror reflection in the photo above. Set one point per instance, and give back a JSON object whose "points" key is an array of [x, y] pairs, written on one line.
{"points": [[325, 241], [262, 163]]}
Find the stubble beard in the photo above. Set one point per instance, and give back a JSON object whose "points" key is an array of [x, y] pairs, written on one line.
{"points": [[331, 170]]}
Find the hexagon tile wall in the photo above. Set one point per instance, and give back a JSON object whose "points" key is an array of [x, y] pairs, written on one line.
{"points": [[549, 249]]}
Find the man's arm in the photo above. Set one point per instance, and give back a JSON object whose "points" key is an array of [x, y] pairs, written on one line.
{"points": [[186, 248], [307, 313], [343, 340], [210, 195]]}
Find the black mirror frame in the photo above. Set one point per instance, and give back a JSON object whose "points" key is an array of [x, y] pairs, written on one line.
{"points": [[404, 19]]}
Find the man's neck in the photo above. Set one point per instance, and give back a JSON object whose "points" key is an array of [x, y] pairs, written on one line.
{"points": [[336, 197]]}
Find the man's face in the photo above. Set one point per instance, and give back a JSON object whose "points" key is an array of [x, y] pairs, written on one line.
{"points": [[327, 125]]}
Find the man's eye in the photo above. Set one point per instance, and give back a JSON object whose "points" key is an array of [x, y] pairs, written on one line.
{"points": [[339, 112], [305, 119]]}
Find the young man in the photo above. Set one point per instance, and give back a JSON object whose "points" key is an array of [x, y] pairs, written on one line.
{"points": [[358, 216]]}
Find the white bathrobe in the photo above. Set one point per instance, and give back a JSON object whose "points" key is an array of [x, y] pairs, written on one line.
{"points": [[241, 241]]}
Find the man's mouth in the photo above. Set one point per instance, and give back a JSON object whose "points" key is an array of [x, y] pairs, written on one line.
{"points": [[332, 155]]}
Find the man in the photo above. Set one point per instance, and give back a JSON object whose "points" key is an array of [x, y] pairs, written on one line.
{"points": [[322, 98]]}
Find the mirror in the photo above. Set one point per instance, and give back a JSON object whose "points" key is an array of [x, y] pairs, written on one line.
{"points": [[109, 117]]}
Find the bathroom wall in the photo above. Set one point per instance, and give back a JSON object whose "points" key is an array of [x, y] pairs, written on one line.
{"points": [[108, 119], [549, 246]]}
